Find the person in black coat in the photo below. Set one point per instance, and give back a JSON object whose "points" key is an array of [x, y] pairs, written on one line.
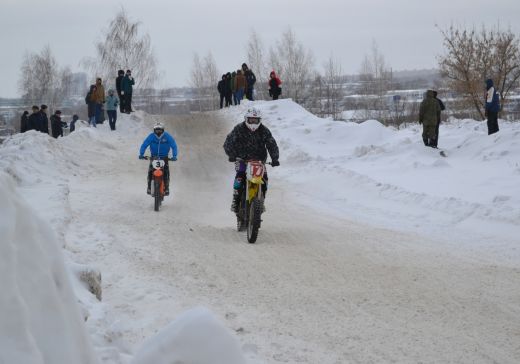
{"points": [[24, 122], [33, 121], [72, 126], [91, 106], [228, 90], [56, 124], [250, 81], [435, 142], [221, 87], [44, 120], [249, 140], [120, 76]]}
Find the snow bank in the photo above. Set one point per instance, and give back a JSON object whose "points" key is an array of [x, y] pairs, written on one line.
{"points": [[384, 176], [195, 337], [39, 318]]}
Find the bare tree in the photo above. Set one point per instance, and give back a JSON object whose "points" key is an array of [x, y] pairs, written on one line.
{"points": [[123, 48], [376, 78], [197, 78], [42, 81], [333, 90], [210, 80], [256, 62], [294, 63], [472, 56]]}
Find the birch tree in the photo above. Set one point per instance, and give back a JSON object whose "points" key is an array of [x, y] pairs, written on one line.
{"points": [[197, 78], [256, 62], [294, 63], [124, 48]]}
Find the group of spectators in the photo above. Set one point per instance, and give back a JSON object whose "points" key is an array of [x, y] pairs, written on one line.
{"points": [[39, 121], [97, 101], [235, 85], [432, 106]]}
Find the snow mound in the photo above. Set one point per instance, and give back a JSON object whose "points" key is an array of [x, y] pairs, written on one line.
{"points": [[40, 320], [196, 337]]}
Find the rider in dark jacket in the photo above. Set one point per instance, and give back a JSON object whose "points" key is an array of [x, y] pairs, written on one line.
{"points": [[249, 140]]}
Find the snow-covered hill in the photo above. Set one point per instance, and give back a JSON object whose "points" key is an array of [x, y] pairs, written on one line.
{"points": [[367, 233]]}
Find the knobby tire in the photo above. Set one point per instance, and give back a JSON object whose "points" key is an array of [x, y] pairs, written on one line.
{"points": [[255, 213], [157, 194]]}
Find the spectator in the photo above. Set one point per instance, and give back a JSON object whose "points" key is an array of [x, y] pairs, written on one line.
{"points": [[56, 124], [492, 107], [240, 86], [221, 87], [119, 79], [250, 81], [126, 91], [91, 106], [274, 86], [24, 122], [44, 120], [112, 102], [72, 126], [99, 99], [441, 104], [228, 92], [233, 89], [428, 118], [33, 121]]}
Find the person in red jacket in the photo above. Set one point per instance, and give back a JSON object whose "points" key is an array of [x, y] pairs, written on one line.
{"points": [[274, 86]]}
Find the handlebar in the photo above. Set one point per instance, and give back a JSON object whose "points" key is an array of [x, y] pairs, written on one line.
{"points": [[238, 159], [156, 158]]}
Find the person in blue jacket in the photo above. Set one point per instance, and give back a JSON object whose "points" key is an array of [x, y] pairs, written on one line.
{"points": [[160, 143], [492, 107]]}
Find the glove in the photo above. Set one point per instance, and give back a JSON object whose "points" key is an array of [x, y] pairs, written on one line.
{"points": [[122, 92], [174, 158], [141, 157], [275, 163], [232, 159]]}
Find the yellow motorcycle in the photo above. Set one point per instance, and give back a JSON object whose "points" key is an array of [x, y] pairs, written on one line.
{"points": [[251, 199]]}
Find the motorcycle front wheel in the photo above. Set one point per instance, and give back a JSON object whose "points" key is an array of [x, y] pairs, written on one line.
{"points": [[157, 194], [253, 223]]}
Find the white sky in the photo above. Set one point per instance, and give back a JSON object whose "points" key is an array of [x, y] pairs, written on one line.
{"points": [[403, 29]]}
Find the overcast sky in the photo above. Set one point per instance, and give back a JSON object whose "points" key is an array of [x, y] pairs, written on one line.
{"points": [[403, 29]]}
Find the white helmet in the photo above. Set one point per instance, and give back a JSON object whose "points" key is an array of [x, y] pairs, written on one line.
{"points": [[158, 128], [253, 119]]}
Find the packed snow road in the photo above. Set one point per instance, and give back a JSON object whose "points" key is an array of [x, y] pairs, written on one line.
{"points": [[313, 289]]}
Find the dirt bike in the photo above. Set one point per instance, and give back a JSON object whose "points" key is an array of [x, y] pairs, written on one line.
{"points": [[251, 199], [157, 186]]}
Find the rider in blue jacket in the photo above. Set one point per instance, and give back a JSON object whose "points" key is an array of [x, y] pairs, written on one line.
{"points": [[160, 143]]}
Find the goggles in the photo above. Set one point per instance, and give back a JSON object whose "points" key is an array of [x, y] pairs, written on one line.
{"points": [[253, 120]]}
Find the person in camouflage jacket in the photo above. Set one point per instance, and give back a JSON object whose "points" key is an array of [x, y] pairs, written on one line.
{"points": [[249, 140], [428, 113]]}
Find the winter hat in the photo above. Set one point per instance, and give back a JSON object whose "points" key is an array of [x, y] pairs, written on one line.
{"points": [[43, 107], [120, 73], [58, 112]]}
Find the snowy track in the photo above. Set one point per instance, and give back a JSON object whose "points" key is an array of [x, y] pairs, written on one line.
{"points": [[314, 289]]}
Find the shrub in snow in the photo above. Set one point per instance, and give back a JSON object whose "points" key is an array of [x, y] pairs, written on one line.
{"points": [[91, 278], [196, 337]]}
